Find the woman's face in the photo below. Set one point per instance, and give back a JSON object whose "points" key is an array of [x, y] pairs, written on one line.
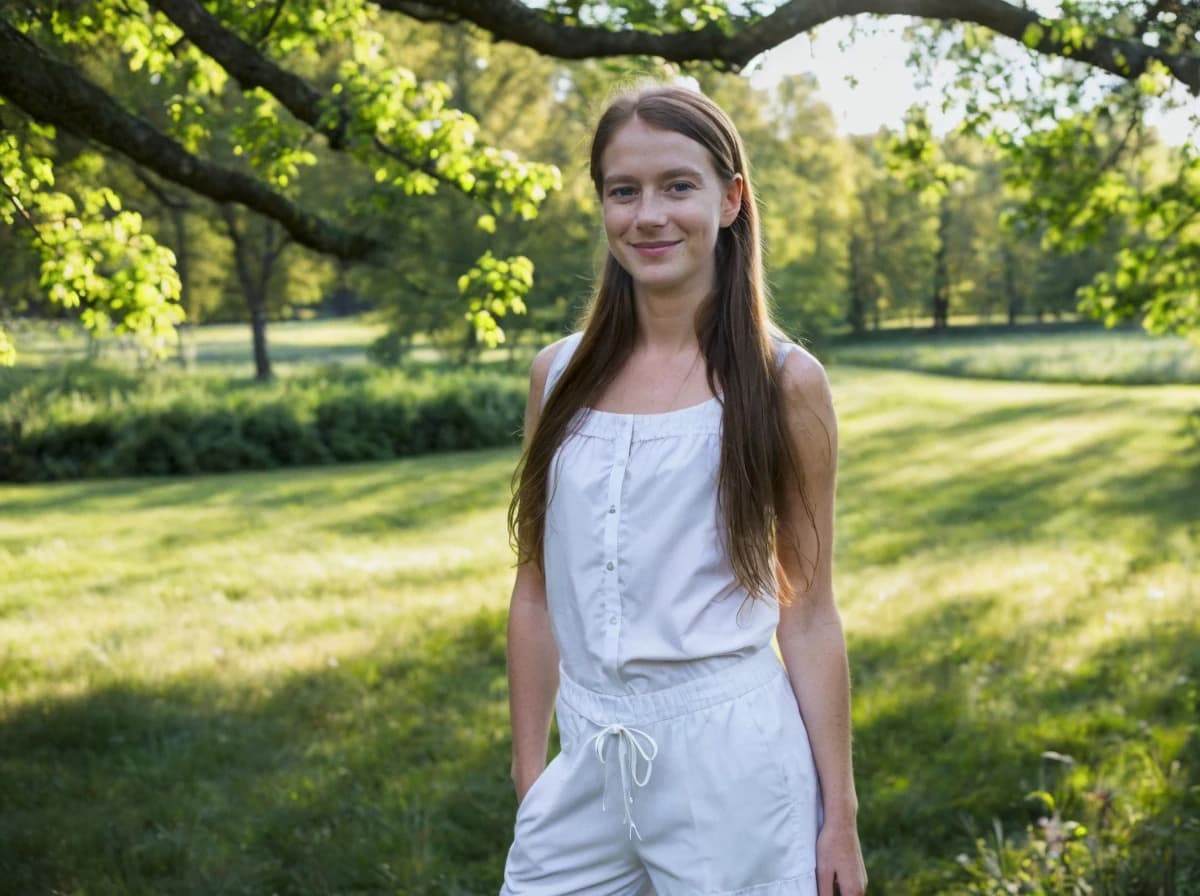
{"points": [[663, 206]]}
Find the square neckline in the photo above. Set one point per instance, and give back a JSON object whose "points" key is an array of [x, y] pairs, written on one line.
{"points": [[653, 415]]}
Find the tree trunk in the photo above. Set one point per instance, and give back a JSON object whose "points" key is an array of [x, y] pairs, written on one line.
{"points": [[941, 278], [258, 330], [1010, 287], [856, 312], [254, 291], [183, 264]]}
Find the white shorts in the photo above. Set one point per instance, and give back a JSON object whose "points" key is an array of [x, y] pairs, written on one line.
{"points": [[707, 787]]}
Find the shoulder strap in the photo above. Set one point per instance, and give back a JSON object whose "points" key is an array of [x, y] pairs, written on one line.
{"points": [[561, 359], [782, 347]]}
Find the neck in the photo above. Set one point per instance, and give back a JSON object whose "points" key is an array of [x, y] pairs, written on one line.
{"points": [[666, 322]]}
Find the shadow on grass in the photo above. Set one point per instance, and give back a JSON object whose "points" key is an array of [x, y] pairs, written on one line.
{"points": [[1128, 470], [386, 774]]}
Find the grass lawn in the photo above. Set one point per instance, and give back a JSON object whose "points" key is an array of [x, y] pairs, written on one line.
{"points": [[293, 682], [1086, 355], [294, 346]]}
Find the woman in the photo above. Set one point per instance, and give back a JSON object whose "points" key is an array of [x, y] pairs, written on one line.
{"points": [[674, 510]]}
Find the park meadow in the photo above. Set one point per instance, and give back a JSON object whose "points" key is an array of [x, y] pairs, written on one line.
{"points": [[292, 681]]}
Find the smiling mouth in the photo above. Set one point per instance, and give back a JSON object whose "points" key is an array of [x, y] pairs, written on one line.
{"points": [[649, 246]]}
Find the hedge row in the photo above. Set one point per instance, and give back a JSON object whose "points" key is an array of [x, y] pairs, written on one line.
{"points": [[96, 425]]}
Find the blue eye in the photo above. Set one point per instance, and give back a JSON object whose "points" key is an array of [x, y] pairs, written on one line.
{"points": [[622, 192], [681, 186]]}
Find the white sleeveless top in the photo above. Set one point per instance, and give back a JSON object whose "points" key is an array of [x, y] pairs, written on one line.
{"points": [[640, 589]]}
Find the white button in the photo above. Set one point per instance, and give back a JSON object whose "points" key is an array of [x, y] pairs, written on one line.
{"points": [[613, 509], [612, 620], [610, 566]]}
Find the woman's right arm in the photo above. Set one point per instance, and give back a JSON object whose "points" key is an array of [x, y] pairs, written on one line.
{"points": [[532, 653]]}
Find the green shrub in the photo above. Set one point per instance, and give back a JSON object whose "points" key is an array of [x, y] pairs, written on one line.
{"points": [[153, 446], [70, 451], [81, 421], [358, 426], [285, 440], [389, 349]]}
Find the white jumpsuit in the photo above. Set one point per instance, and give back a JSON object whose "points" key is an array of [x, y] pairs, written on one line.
{"points": [[685, 767]]}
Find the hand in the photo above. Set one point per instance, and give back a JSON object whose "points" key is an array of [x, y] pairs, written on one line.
{"points": [[523, 779], [839, 858]]}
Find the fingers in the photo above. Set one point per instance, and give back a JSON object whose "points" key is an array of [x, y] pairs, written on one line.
{"points": [[825, 880], [852, 885]]}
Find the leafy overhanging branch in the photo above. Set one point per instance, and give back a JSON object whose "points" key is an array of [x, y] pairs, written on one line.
{"points": [[96, 257], [56, 93], [438, 143], [250, 68], [737, 41]]}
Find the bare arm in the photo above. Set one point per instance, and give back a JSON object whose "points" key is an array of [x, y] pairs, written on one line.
{"points": [[532, 653], [810, 634]]}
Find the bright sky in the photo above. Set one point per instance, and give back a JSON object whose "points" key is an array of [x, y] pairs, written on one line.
{"points": [[885, 88]]}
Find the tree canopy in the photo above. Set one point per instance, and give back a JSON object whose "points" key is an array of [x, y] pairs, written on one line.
{"points": [[238, 102]]}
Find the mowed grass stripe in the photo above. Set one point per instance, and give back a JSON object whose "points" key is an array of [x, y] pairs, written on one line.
{"points": [[294, 682]]}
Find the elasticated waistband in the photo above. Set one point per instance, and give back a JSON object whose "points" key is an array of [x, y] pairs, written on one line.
{"points": [[632, 709]]}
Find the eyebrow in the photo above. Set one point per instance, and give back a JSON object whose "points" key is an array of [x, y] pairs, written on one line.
{"points": [[669, 174]]}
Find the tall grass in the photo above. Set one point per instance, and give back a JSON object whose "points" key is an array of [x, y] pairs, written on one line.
{"points": [[293, 682]]}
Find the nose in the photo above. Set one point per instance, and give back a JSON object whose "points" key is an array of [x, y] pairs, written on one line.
{"points": [[651, 210]]}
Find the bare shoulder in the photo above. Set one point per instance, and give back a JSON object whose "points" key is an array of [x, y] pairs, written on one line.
{"points": [[805, 384], [539, 371], [544, 360], [808, 411]]}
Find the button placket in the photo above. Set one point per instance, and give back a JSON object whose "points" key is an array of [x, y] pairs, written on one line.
{"points": [[622, 441]]}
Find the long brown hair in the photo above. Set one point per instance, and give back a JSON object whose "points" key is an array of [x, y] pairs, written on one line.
{"points": [[759, 476]]}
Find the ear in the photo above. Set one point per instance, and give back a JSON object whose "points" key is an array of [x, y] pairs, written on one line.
{"points": [[731, 202]]}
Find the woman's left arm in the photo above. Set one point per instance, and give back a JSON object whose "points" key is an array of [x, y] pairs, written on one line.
{"points": [[810, 635]]}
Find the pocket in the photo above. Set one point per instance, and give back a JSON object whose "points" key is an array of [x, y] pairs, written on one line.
{"points": [[739, 796], [534, 792], [792, 751]]}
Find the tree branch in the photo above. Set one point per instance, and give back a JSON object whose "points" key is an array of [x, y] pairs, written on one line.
{"points": [[513, 21], [166, 200], [265, 32], [250, 68], [57, 94]]}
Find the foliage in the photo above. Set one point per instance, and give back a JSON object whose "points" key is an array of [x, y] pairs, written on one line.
{"points": [[301, 112], [1080, 159], [1053, 861], [96, 257], [398, 129], [493, 288], [1118, 848]]}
